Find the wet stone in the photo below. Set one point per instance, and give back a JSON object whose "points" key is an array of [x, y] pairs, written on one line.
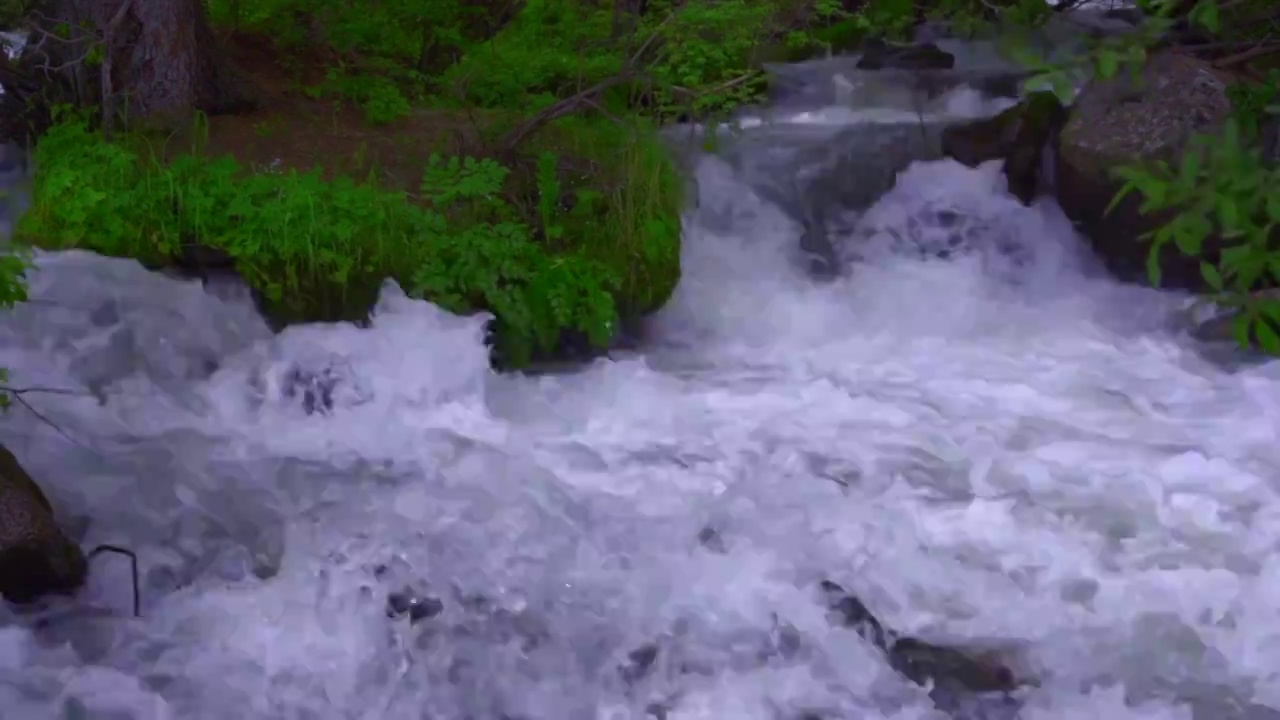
{"points": [[315, 388], [712, 541], [639, 662], [416, 607]]}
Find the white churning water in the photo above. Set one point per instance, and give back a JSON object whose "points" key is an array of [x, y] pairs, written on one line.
{"points": [[1018, 454]]}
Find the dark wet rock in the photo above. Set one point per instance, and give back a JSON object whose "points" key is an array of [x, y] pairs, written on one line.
{"points": [[849, 611], [710, 539], [925, 663], [197, 260], [1123, 121], [813, 86], [1018, 136], [924, 56], [415, 606], [953, 675], [817, 179], [324, 386], [36, 558], [1215, 324], [639, 662], [313, 387]]}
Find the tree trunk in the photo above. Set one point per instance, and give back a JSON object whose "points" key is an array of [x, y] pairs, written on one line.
{"points": [[161, 57], [626, 15]]}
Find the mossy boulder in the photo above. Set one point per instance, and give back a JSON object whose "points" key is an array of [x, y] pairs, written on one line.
{"points": [[36, 558], [1018, 136], [1140, 120]]}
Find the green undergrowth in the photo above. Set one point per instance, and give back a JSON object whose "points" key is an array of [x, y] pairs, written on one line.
{"points": [[556, 254], [683, 58]]}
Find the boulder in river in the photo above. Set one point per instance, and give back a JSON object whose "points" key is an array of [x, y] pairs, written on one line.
{"points": [[36, 558], [952, 675], [920, 56], [1126, 120], [1018, 136]]}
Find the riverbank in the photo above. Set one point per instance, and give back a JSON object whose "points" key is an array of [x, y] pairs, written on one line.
{"points": [[314, 205]]}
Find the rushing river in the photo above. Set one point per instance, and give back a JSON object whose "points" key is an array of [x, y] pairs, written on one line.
{"points": [[1001, 447]]}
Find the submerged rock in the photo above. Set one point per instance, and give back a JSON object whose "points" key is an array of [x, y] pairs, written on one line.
{"points": [[1211, 322], [1018, 136], [36, 558], [415, 606], [1122, 121], [953, 676]]}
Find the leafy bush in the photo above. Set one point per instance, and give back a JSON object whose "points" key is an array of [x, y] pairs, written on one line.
{"points": [[13, 290], [1222, 186], [318, 249], [686, 58]]}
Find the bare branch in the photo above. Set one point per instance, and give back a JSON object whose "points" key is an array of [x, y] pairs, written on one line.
{"points": [[17, 395]]}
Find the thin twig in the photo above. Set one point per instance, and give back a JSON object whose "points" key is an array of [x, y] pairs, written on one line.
{"points": [[38, 390], [133, 561], [626, 73], [17, 393], [1262, 50]]}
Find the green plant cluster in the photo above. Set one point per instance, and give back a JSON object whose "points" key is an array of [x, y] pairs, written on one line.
{"points": [[686, 58], [1223, 189], [13, 290], [319, 248], [386, 50]]}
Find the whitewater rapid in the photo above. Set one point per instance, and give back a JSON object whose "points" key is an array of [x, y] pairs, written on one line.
{"points": [[1004, 448]]}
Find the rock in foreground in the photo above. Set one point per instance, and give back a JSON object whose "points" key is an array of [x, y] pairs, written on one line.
{"points": [[36, 558]]}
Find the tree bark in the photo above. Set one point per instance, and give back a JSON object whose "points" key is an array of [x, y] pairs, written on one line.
{"points": [[163, 57]]}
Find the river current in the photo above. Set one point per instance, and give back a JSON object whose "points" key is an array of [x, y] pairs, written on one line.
{"points": [[1001, 446]]}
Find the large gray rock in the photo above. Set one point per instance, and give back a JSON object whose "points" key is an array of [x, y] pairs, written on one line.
{"points": [[36, 558], [1123, 121]]}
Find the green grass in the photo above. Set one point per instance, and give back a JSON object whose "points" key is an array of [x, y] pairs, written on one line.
{"points": [[484, 238]]}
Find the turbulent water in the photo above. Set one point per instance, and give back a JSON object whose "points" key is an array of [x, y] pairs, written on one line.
{"points": [[1002, 448]]}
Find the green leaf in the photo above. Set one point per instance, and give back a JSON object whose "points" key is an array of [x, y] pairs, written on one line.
{"points": [[1240, 329], [1205, 14], [1267, 336], [1153, 265], [1211, 276], [1186, 235], [1190, 171], [1124, 190], [1108, 64], [1228, 215]]}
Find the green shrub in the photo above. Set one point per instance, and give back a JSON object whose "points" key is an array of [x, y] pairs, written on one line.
{"points": [[13, 290], [318, 249]]}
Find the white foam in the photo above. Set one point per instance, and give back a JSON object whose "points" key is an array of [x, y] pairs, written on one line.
{"points": [[1015, 457]]}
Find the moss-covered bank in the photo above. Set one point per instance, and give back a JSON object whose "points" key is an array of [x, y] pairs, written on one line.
{"points": [[559, 241]]}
